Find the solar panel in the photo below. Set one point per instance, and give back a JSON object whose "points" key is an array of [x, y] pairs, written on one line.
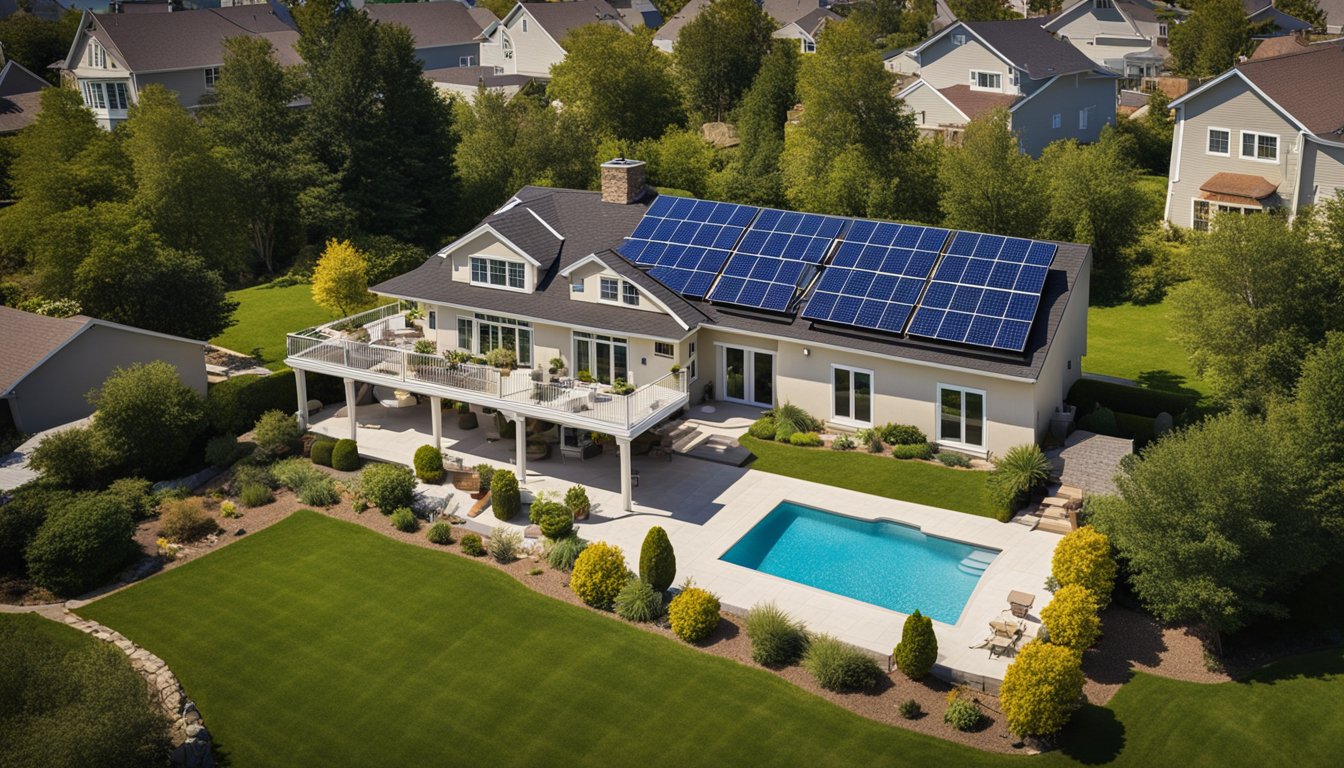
{"points": [[684, 242], [876, 275], [778, 255], [985, 291]]}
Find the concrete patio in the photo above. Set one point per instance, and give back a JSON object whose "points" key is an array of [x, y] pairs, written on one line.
{"points": [[706, 507]]}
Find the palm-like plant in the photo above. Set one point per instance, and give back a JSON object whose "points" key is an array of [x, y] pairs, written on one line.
{"points": [[1023, 469]]}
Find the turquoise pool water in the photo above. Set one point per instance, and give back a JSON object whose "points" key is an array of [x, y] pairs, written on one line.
{"points": [[887, 564]]}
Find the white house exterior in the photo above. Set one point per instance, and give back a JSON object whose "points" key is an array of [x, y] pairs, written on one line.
{"points": [[806, 29], [529, 39], [1128, 37]]}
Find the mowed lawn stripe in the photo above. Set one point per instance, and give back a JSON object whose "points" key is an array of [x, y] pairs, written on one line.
{"points": [[319, 642]]}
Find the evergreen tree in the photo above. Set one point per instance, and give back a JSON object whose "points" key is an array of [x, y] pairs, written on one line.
{"points": [[1209, 41], [718, 54], [755, 176]]}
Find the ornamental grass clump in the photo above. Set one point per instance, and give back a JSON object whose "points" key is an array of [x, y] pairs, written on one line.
{"points": [[777, 639], [1022, 470], [599, 574], [561, 553], [838, 667], [184, 520], [918, 649], [505, 544], [404, 520], [637, 601], [1071, 619], [693, 613], [440, 533], [1083, 557]]}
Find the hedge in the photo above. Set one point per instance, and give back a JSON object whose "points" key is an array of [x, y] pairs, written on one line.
{"points": [[1123, 398], [234, 405]]}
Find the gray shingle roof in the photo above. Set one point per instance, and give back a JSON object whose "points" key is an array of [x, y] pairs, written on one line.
{"points": [[151, 42], [1029, 47], [559, 19], [674, 25], [1306, 84], [432, 24], [27, 338]]}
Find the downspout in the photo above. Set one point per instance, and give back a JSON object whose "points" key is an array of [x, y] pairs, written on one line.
{"points": [[1175, 161], [1298, 150]]}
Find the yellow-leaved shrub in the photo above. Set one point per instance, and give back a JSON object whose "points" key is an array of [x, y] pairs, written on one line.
{"points": [[1083, 557], [1071, 618], [599, 574], [1041, 689]]}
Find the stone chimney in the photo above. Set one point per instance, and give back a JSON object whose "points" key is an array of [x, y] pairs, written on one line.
{"points": [[622, 181]]}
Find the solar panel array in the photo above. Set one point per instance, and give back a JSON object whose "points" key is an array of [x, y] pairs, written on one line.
{"points": [[985, 292], [778, 255], [876, 276], [684, 242]]}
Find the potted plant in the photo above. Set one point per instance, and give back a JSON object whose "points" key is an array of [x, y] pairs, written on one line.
{"points": [[503, 359], [621, 387], [413, 316], [584, 376], [675, 370], [424, 347], [466, 418], [557, 366]]}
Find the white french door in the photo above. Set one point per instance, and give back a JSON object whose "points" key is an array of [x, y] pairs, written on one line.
{"points": [[747, 376]]}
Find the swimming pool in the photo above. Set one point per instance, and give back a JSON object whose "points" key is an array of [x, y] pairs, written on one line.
{"points": [[880, 562]]}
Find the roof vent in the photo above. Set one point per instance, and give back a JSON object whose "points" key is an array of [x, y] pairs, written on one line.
{"points": [[622, 181]]}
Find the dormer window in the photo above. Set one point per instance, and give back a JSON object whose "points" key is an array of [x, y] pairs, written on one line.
{"points": [[97, 55], [630, 294], [497, 272], [608, 289], [986, 81]]}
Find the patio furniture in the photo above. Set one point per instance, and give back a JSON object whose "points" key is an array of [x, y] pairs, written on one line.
{"points": [[1005, 636], [1020, 603]]}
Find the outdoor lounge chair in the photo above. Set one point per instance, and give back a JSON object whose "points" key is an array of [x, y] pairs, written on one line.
{"points": [[1020, 603], [1006, 634]]}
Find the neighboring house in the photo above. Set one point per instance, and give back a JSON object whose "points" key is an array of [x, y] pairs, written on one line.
{"points": [[1268, 133], [446, 32], [799, 20], [49, 365], [692, 300], [465, 82], [20, 97], [114, 56], [1334, 15], [47, 10], [528, 40], [1050, 89], [1128, 37], [805, 29], [666, 36], [1262, 13], [639, 13]]}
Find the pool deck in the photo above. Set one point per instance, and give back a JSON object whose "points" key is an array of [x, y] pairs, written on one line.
{"points": [[706, 507]]}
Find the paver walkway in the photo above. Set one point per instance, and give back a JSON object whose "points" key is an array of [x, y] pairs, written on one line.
{"points": [[1090, 461]]}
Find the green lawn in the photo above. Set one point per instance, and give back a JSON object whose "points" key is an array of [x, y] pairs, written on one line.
{"points": [[913, 481], [1135, 342], [265, 315]]}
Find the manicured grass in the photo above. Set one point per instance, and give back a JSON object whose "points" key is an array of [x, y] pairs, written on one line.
{"points": [[317, 642], [265, 315], [31, 629], [913, 481], [1135, 342]]}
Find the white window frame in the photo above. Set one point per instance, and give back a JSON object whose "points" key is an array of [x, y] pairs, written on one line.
{"points": [[691, 363], [510, 267], [211, 77], [101, 95], [504, 322], [958, 39], [1057, 121], [984, 418], [576, 286], [1216, 208], [850, 420], [592, 340], [602, 284], [508, 47], [809, 46], [629, 294], [1082, 118], [466, 61], [1162, 29], [975, 81], [97, 55], [1241, 147], [1208, 136], [671, 349], [432, 319], [466, 325]]}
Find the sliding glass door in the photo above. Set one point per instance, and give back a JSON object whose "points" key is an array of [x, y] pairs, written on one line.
{"points": [[748, 376], [961, 419]]}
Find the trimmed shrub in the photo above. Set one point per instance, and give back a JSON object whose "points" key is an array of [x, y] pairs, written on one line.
{"points": [[777, 639], [345, 455], [954, 460], [504, 496], [505, 544], [72, 458], [471, 545], [276, 433], [1071, 618], [387, 486], [693, 613], [184, 520], [1083, 557], [918, 649], [842, 443], [221, 450], [554, 518], [962, 713], [805, 439], [902, 434], [440, 533], [235, 404], [148, 419], [81, 545], [910, 709], [1023, 469], [404, 520], [1101, 420], [763, 428], [135, 494], [429, 464], [487, 475], [657, 560], [1123, 398], [912, 451], [256, 495], [1041, 689], [637, 601], [561, 553], [599, 574], [838, 667], [320, 492], [321, 451], [576, 501], [229, 510]]}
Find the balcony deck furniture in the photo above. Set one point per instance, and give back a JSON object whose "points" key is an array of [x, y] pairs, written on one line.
{"points": [[1020, 603]]}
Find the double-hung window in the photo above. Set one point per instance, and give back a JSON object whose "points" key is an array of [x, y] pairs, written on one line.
{"points": [[1260, 146], [961, 416], [609, 289], [852, 391], [211, 77], [986, 81], [630, 294], [1220, 142], [498, 272]]}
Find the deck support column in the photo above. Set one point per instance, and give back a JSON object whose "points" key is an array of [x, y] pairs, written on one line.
{"points": [[624, 444], [301, 384], [350, 405], [520, 445], [436, 417]]}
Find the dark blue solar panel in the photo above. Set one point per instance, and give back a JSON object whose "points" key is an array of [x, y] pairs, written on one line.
{"points": [[684, 242], [778, 256], [985, 291], [887, 264]]}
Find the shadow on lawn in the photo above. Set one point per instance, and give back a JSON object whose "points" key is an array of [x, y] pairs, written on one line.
{"points": [[1167, 381], [1094, 737]]}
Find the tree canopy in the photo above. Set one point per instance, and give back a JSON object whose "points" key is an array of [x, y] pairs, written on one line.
{"points": [[982, 10], [35, 42], [616, 83], [989, 185], [718, 54], [1210, 39], [340, 280], [755, 175]]}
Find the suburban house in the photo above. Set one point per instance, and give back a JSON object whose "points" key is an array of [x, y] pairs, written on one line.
{"points": [[621, 307], [1050, 89], [666, 36], [48, 365], [445, 32], [528, 40], [805, 29], [1128, 37], [466, 82], [1268, 21], [1334, 15], [20, 97], [799, 20], [1268, 133], [114, 56]]}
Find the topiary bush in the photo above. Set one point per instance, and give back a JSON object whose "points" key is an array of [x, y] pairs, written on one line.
{"points": [[1022, 470], [918, 649], [777, 639], [599, 574], [275, 434], [657, 560], [637, 601], [763, 428], [838, 667], [256, 495], [1071, 618], [561, 553], [440, 533], [1041, 689], [912, 451], [505, 544], [1083, 557], [576, 501], [81, 545], [962, 713], [429, 464], [471, 545], [805, 439], [184, 520], [554, 518], [902, 434], [504, 496], [321, 451], [345, 455], [387, 486], [693, 613], [403, 520]]}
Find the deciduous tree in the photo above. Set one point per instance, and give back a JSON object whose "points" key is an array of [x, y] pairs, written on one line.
{"points": [[35, 42], [718, 54], [982, 10], [340, 282], [989, 185], [148, 418], [755, 177], [1210, 39], [616, 83]]}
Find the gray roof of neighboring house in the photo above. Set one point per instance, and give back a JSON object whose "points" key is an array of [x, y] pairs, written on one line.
{"points": [[559, 19], [432, 24], [1306, 84], [788, 11], [150, 42], [674, 25], [1029, 47], [639, 13], [27, 338], [1260, 11], [20, 97], [812, 22]]}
